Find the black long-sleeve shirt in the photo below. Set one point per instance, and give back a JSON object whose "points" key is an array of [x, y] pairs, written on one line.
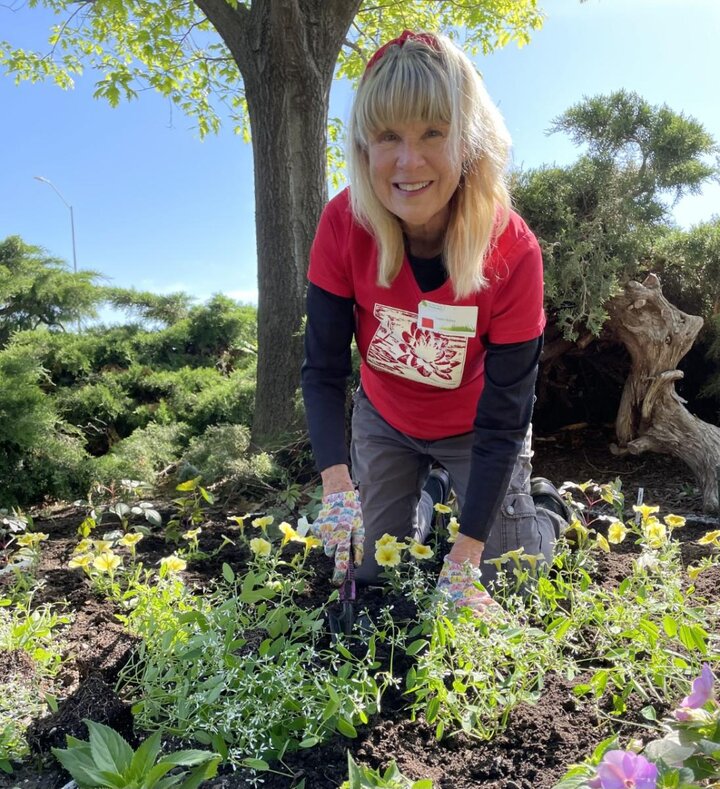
{"points": [[503, 413]]}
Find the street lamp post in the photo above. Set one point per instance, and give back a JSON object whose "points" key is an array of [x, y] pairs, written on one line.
{"points": [[72, 217]]}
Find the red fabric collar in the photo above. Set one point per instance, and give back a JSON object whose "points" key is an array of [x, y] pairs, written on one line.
{"points": [[426, 38]]}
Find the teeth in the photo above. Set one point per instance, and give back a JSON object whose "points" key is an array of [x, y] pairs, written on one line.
{"points": [[412, 187]]}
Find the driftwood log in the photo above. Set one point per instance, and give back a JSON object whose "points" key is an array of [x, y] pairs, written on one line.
{"points": [[652, 416]]}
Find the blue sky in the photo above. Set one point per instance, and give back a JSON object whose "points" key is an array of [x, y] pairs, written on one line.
{"points": [[158, 209]]}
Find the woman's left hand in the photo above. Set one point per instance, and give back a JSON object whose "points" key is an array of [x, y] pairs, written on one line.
{"points": [[460, 582]]}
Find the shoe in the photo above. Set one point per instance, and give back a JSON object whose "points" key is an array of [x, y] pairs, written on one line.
{"points": [[547, 496], [437, 486]]}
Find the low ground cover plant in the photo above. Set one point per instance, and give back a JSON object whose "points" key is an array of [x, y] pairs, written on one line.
{"points": [[247, 668]]}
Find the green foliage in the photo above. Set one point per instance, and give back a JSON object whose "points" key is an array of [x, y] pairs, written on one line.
{"points": [[223, 452], [599, 219], [242, 670], [135, 44], [361, 777], [39, 290], [106, 760], [143, 454]]}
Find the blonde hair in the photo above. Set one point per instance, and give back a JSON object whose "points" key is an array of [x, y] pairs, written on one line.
{"points": [[416, 81]]}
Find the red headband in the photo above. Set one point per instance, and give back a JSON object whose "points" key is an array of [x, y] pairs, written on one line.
{"points": [[406, 35]]}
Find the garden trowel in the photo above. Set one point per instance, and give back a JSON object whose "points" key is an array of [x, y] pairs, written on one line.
{"points": [[342, 617]]}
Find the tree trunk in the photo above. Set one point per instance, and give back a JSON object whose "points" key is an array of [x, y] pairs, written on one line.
{"points": [[286, 51], [652, 416]]}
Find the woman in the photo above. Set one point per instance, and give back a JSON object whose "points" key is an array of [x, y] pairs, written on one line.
{"points": [[423, 260]]}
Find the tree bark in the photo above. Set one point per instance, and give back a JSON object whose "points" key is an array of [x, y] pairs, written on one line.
{"points": [[652, 416], [286, 51]]}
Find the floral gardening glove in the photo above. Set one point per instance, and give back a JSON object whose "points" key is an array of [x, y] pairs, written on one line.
{"points": [[339, 525], [461, 584]]}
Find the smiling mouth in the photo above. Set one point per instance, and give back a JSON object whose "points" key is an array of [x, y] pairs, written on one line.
{"points": [[416, 187]]}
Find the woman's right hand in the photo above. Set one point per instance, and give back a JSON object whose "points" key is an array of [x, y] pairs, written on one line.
{"points": [[339, 525]]}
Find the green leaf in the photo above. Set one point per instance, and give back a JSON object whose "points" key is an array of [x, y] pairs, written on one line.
{"points": [[669, 626], [145, 756], [345, 728], [256, 764], [80, 766], [189, 484], [415, 646], [228, 573], [109, 750], [432, 709]]}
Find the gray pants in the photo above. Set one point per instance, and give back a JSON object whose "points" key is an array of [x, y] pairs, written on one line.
{"points": [[391, 468]]}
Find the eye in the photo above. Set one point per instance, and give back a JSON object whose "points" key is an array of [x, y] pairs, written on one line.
{"points": [[387, 136], [434, 133]]}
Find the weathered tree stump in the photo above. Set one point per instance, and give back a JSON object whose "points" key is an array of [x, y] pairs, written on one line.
{"points": [[652, 416]]}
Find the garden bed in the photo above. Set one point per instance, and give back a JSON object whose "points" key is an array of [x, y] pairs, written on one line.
{"points": [[532, 751]]}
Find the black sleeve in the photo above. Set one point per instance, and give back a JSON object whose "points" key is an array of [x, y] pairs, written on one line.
{"points": [[328, 336], [503, 416]]}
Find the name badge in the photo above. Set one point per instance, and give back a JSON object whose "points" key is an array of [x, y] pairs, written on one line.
{"points": [[447, 318]]}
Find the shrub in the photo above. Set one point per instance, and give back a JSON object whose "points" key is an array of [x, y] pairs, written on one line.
{"points": [[143, 454], [222, 452]]}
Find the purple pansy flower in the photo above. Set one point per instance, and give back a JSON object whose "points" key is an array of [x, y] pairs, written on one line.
{"points": [[624, 770], [702, 690]]}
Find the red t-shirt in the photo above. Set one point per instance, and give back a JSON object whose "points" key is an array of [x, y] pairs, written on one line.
{"points": [[424, 382]]}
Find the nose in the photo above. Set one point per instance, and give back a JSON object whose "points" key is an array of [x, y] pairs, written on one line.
{"points": [[410, 154]]}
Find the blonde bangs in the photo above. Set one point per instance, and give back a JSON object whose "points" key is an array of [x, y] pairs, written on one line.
{"points": [[408, 85]]}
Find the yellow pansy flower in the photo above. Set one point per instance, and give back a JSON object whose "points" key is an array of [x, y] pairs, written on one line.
{"points": [[602, 543], [102, 546], [107, 562], [288, 533], [131, 539], [312, 542], [421, 551], [674, 521], [83, 546], [31, 539], [260, 547], [387, 555], [711, 538], [645, 510], [386, 539], [532, 559], [81, 560], [617, 533], [173, 564], [263, 523], [655, 534]]}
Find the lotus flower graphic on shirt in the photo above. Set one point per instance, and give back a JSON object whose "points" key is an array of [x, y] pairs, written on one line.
{"points": [[403, 348], [429, 353]]}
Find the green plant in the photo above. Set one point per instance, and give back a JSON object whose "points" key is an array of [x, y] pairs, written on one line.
{"points": [[190, 508], [106, 760], [684, 754], [212, 673], [362, 777]]}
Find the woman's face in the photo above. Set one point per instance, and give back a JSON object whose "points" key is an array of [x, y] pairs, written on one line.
{"points": [[413, 175]]}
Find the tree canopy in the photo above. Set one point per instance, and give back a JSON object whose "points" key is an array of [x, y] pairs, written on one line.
{"points": [[267, 67]]}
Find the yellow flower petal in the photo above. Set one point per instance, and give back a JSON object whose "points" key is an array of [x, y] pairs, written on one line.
{"points": [[173, 564], [711, 537], [81, 560], [443, 509], [421, 551], [645, 510], [674, 521], [260, 547], [130, 539], [192, 534], [616, 533], [387, 556], [312, 542], [602, 543], [288, 532], [107, 562]]}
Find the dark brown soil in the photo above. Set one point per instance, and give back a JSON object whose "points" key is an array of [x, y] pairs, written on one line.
{"points": [[532, 753]]}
